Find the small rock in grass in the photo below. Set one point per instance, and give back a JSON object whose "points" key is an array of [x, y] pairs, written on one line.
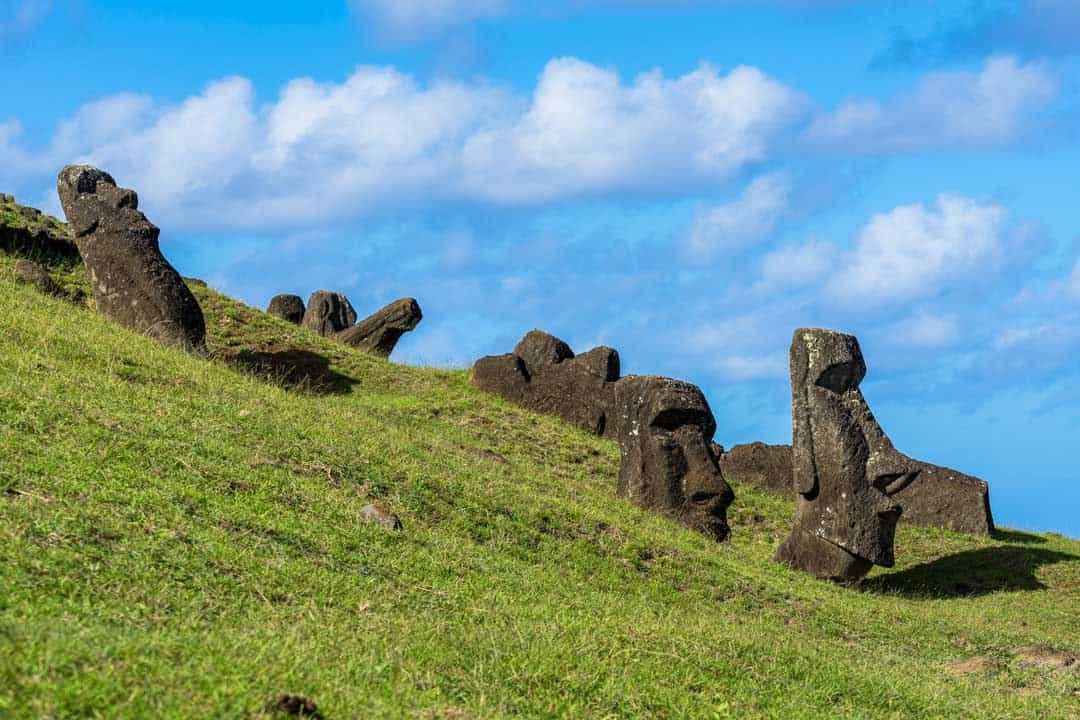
{"points": [[381, 516], [297, 705]]}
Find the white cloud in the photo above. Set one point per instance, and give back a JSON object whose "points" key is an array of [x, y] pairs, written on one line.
{"points": [[925, 330], [912, 251], [735, 226], [380, 139], [409, 19], [947, 110], [797, 265], [588, 132]]}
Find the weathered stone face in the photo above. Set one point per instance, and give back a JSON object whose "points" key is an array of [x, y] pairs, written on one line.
{"points": [[379, 333], [665, 428], [132, 281], [543, 374], [839, 468], [328, 313], [289, 308]]}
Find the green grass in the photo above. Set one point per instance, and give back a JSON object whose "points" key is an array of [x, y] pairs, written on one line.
{"points": [[14, 215], [180, 538]]}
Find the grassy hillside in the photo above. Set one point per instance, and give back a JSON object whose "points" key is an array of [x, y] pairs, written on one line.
{"points": [[180, 538]]}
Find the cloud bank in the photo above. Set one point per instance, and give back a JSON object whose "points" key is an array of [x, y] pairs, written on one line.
{"points": [[381, 141]]}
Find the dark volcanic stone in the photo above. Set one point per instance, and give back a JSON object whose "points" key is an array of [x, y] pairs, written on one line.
{"points": [[664, 427], [539, 350], [837, 470], [34, 274], [822, 558], [380, 515], [328, 313], [930, 495], [762, 466], [379, 333], [296, 705], [287, 307], [543, 374], [132, 281]]}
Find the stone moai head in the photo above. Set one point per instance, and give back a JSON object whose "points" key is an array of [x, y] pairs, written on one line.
{"points": [[328, 313], [93, 202], [841, 483], [665, 430]]}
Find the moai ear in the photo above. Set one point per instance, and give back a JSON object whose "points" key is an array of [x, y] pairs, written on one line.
{"points": [[803, 468]]}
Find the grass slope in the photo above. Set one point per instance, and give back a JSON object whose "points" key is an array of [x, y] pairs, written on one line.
{"points": [[179, 538]]}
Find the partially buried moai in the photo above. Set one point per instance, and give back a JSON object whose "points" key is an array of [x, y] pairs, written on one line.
{"points": [[665, 429], [844, 519], [132, 281]]}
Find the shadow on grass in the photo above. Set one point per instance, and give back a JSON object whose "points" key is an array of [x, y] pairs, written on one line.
{"points": [[970, 573], [291, 369], [1021, 538]]}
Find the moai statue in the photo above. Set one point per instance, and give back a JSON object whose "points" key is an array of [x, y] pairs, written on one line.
{"points": [[665, 429], [132, 281], [379, 333], [543, 374], [843, 473], [289, 308], [328, 313]]}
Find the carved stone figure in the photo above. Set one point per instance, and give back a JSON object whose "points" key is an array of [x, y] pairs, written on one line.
{"points": [[543, 374], [842, 472], [930, 495], [289, 308], [664, 427], [328, 313], [767, 467], [132, 281], [379, 333]]}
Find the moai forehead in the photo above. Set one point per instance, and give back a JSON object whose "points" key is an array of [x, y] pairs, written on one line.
{"points": [[827, 359]]}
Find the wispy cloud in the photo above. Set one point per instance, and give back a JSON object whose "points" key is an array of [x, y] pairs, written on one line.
{"points": [[909, 252], [948, 110], [413, 19], [1031, 28], [735, 226]]}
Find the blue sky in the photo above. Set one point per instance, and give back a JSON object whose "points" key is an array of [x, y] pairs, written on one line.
{"points": [[684, 181]]}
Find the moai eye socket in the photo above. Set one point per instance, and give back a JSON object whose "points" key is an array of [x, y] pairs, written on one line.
{"points": [[671, 419], [841, 377]]}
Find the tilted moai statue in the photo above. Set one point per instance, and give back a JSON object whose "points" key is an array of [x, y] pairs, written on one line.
{"points": [[132, 281], [328, 313], [664, 427], [331, 315], [379, 333], [543, 374], [844, 520]]}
